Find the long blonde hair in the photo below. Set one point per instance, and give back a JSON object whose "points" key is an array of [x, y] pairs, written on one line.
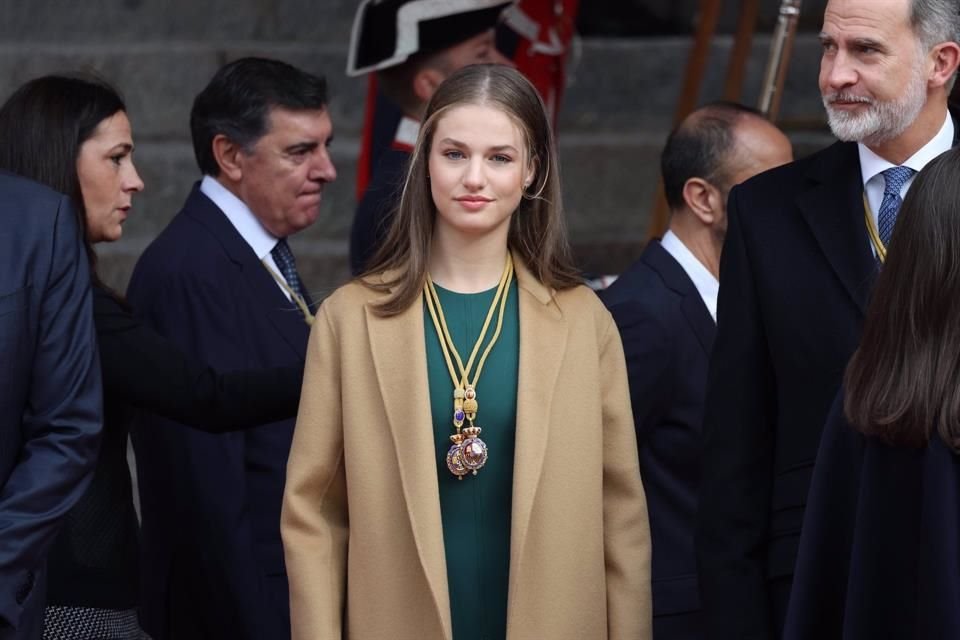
{"points": [[537, 229]]}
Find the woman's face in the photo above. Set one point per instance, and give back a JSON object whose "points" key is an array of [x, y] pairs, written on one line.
{"points": [[108, 178], [479, 165]]}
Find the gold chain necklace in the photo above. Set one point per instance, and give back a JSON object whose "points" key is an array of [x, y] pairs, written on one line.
{"points": [[468, 453]]}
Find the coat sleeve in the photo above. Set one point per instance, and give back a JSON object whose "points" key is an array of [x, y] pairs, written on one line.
{"points": [[150, 372], [198, 312], [819, 590], [61, 423], [626, 528], [314, 521], [734, 508]]}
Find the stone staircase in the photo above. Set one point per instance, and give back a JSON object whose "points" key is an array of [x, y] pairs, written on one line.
{"points": [[614, 119]]}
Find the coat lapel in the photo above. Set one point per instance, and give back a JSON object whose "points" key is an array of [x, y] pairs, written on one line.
{"points": [[692, 305], [702, 323], [543, 342], [833, 208], [405, 390], [282, 313], [399, 357]]}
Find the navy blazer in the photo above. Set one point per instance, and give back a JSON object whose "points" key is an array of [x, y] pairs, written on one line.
{"points": [[94, 561], [212, 559], [667, 335], [50, 392], [880, 551]]}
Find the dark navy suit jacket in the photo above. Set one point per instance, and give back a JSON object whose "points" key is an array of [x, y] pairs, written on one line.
{"points": [[667, 335], [212, 556], [50, 390], [377, 208], [880, 551]]}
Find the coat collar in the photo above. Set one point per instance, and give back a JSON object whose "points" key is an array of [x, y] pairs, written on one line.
{"points": [[676, 279], [282, 313], [832, 205], [543, 344], [398, 348]]}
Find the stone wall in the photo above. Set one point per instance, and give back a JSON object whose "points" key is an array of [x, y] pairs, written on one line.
{"points": [[679, 17], [616, 115]]}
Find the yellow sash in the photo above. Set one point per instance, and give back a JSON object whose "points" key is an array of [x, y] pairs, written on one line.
{"points": [[875, 240]]}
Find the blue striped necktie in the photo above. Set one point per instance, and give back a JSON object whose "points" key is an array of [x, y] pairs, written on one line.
{"points": [[894, 178]]}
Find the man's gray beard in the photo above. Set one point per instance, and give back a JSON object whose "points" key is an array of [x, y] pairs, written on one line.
{"points": [[882, 120]]}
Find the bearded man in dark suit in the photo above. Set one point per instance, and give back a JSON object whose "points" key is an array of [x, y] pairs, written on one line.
{"points": [[803, 247], [665, 308]]}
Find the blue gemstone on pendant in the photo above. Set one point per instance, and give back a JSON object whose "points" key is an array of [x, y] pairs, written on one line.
{"points": [[458, 415]]}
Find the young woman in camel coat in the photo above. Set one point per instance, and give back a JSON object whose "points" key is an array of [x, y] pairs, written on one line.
{"points": [[550, 538]]}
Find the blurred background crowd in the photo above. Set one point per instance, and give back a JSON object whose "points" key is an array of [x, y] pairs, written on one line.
{"points": [[625, 73]]}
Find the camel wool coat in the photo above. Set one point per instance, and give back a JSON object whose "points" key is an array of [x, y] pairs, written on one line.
{"points": [[361, 523]]}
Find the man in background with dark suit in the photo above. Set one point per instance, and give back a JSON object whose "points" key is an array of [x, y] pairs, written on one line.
{"points": [[50, 390], [664, 306], [221, 282], [803, 248]]}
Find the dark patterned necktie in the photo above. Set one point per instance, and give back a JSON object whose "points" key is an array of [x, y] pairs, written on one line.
{"points": [[894, 178], [288, 268]]}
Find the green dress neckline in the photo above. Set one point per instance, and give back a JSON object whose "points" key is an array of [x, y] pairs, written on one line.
{"points": [[476, 510]]}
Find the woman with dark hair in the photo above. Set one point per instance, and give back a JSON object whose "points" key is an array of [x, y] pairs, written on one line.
{"points": [[73, 134], [880, 550], [464, 463]]}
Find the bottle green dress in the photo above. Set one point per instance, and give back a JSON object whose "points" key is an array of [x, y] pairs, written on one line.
{"points": [[476, 510]]}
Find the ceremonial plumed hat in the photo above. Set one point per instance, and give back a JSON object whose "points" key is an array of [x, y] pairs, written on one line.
{"points": [[387, 32]]}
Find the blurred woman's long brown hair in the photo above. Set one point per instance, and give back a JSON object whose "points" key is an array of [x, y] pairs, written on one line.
{"points": [[904, 380], [537, 229]]}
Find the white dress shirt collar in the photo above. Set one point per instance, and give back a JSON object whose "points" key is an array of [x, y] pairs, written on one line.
{"points": [[407, 132], [872, 165], [241, 217], [707, 285]]}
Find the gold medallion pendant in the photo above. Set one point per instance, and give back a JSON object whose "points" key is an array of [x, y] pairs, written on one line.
{"points": [[455, 457], [468, 453], [473, 450]]}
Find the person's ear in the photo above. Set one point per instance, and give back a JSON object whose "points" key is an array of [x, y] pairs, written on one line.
{"points": [[425, 83], [229, 158], [531, 173], [703, 199], [946, 59]]}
